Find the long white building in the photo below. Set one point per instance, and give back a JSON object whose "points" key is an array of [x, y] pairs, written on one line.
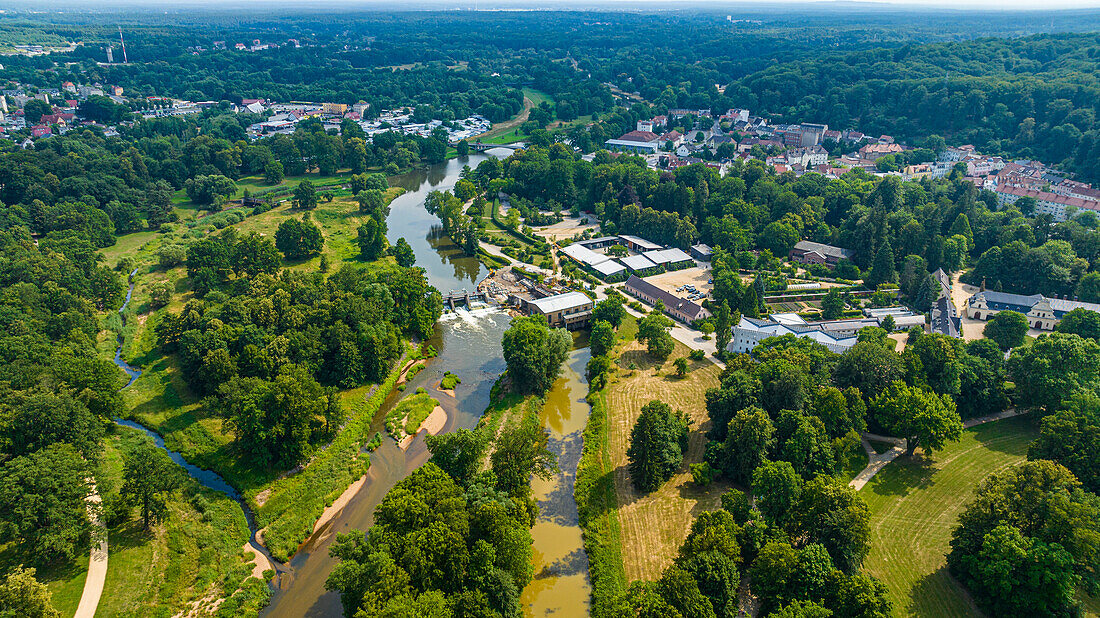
{"points": [[749, 332]]}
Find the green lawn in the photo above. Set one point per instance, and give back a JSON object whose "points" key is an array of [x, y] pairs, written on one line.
{"points": [[537, 96], [915, 504]]}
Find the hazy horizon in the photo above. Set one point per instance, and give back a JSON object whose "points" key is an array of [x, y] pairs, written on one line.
{"points": [[1023, 6]]}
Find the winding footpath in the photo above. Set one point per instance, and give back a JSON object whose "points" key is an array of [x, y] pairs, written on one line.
{"points": [[878, 461]]}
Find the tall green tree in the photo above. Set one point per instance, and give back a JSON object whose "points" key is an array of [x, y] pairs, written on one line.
{"points": [[602, 338], [882, 269], [922, 417], [832, 305], [534, 353], [149, 477], [42, 501], [522, 451], [403, 253], [299, 238], [458, 453], [657, 442], [750, 438], [1007, 329], [610, 310], [305, 195], [653, 330], [1053, 368], [371, 239], [24, 596], [723, 327]]}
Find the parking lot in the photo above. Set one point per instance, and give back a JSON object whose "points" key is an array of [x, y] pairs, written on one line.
{"points": [[674, 282]]}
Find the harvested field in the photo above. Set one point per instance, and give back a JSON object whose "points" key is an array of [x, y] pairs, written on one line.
{"points": [[654, 525]]}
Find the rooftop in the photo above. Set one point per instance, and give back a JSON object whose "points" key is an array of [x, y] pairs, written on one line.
{"points": [[827, 250], [560, 302], [666, 256], [671, 301], [637, 262], [584, 255]]}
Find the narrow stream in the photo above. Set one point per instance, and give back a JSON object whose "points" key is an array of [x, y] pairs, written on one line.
{"points": [[561, 586], [206, 478]]}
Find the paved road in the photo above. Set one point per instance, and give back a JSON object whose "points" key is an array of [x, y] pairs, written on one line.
{"points": [[691, 338], [877, 462], [97, 563]]}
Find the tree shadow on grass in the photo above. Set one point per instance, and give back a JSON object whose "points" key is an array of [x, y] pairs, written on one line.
{"points": [[634, 495], [129, 534], [1011, 436], [903, 475], [641, 360], [707, 498], [939, 594]]}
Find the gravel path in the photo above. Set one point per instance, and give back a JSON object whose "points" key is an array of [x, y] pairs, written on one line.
{"points": [[877, 462]]}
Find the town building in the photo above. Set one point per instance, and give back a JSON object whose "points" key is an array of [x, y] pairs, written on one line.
{"points": [[874, 152], [637, 244], [944, 318], [571, 310], [675, 307], [702, 252], [671, 259], [645, 142], [1045, 202], [749, 332], [1041, 312], [640, 265], [808, 252]]}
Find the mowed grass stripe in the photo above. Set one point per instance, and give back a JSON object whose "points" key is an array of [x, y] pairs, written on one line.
{"points": [[915, 505]]}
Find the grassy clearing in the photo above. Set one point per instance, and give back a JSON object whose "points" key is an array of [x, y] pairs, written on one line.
{"points": [[654, 525], [193, 556], [915, 504]]}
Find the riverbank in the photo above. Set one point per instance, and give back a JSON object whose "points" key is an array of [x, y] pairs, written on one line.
{"points": [[296, 503]]}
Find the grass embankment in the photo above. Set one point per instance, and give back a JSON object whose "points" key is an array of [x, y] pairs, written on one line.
{"points": [[594, 492], [294, 504], [915, 504], [190, 559]]}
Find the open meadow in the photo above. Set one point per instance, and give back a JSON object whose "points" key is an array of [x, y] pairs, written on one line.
{"points": [[653, 526]]}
